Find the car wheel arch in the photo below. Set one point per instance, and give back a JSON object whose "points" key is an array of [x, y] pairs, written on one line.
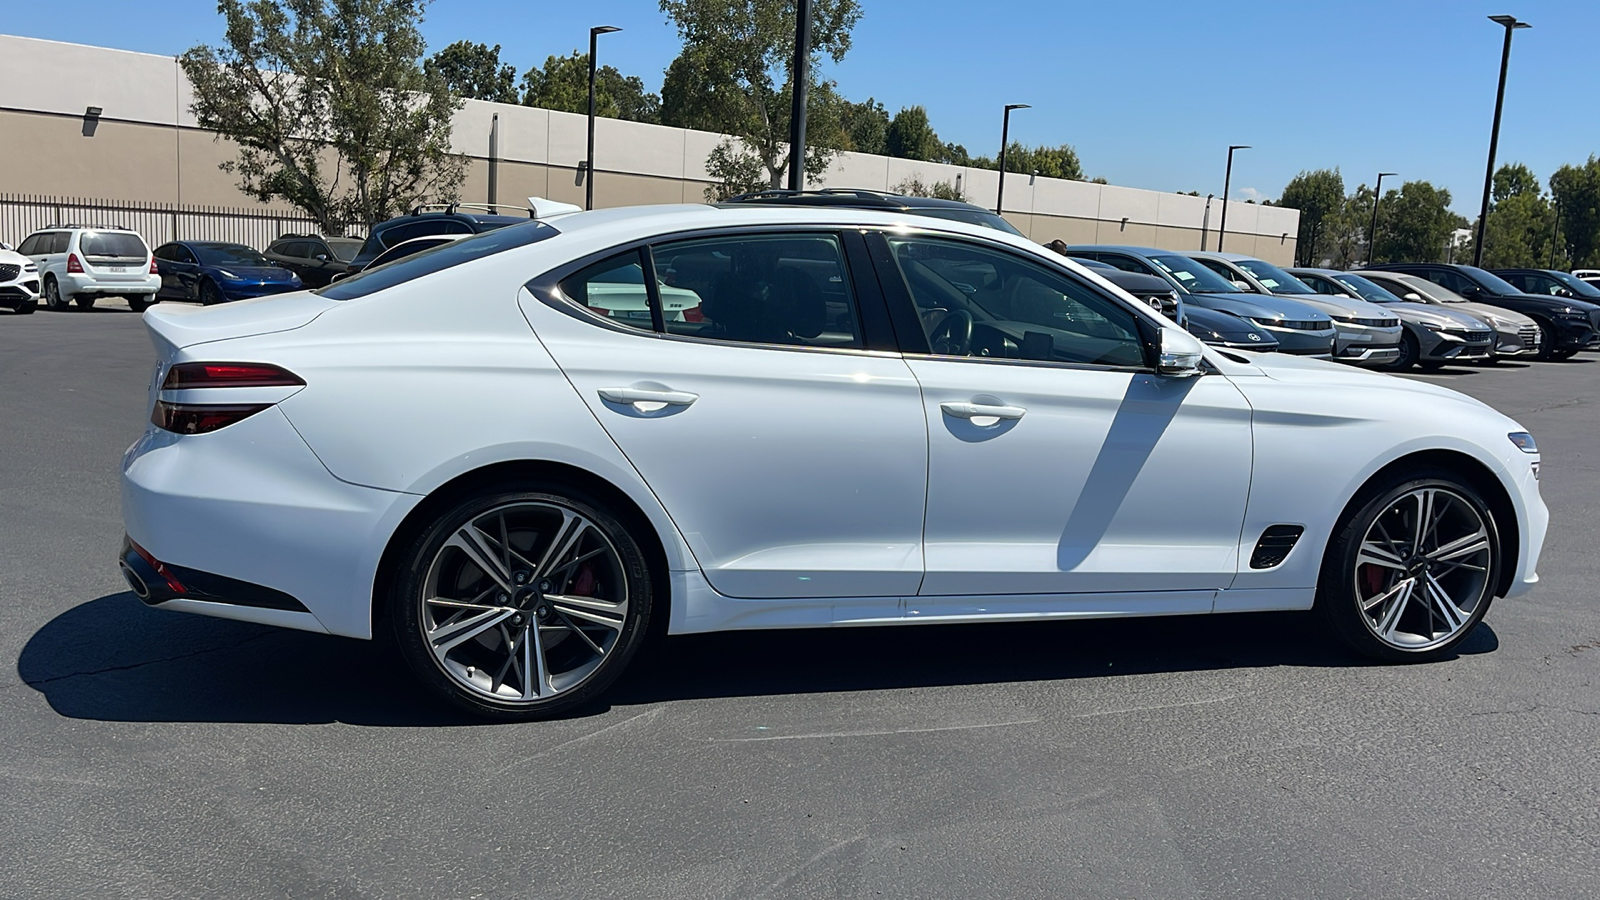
{"points": [[513, 473], [1471, 470]]}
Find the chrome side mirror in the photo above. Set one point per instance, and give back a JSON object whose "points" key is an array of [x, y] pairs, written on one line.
{"points": [[1181, 353]]}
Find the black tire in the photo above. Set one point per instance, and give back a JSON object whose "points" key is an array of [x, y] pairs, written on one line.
{"points": [[53, 297], [1409, 351], [1564, 353], [209, 295], [1547, 346], [26, 307], [1340, 599], [138, 303], [1431, 365], [410, 614], [84, 301]]}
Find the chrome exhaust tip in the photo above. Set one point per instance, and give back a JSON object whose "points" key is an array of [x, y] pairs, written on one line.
{"points": [[134, 581]]}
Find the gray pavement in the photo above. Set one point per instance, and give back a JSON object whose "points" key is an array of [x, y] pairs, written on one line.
{"points": [[149, 754]]}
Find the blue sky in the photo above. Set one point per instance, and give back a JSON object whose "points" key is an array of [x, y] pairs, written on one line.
{"points": [[1150, 93]]}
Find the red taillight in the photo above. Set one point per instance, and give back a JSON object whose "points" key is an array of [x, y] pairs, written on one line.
{"points": [[185, 376], [693, 314], [153, 269], [201, 418], [73, 264]]}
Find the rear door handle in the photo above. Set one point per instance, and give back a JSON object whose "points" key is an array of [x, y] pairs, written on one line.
{"points": [[645, 396], [981, 411]]}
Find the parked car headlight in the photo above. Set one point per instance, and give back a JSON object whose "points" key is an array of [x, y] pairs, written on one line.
{"points": [[1567, 312], [1524, 441], [228, 275]]}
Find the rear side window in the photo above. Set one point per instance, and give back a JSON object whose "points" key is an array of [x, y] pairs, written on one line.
{"points": [[442, 257], [58, 242], [112, 245], [613, 288]]}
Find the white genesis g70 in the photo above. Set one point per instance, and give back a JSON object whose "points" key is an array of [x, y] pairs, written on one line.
{"points": [[521, 454]]}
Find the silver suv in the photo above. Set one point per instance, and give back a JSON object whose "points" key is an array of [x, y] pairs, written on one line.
{"points": [[81, 263]]}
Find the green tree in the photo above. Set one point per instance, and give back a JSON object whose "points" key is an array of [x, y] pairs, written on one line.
{"points": [[330, 106], [474, 71], [1319, 195], [1051, 162], [733, 76], [1414, 224], [916, 187], [1521, 226], [911, 137], [1576, 190], [866, 125], [562, 84]]}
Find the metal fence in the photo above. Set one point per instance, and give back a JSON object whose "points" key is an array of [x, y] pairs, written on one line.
{"points": [[22, 214]]}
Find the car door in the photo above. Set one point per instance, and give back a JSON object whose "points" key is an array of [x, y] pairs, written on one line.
{"points": [[185, 279], [1059, 463], [792, 457]]}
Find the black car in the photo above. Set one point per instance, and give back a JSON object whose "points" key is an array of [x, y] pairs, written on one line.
{"points": [[316, 259], [423, 221], [1567, 324], [1219, 329], [1550, 283], [861, 198]]}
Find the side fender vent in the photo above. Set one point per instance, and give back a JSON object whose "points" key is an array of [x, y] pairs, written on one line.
{"points": [[1275, 544]]}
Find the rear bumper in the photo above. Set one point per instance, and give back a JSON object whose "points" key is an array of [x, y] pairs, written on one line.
{"points": [[91, 284]]}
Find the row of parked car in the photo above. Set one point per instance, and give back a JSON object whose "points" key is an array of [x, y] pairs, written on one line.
{"points": [[1391, 316]]}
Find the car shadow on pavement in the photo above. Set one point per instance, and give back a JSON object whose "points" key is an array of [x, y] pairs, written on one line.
{"points": [[114, 659]]}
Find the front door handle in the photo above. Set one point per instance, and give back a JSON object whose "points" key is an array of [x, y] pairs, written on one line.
{"points": [[981, 411], [642, 397]]}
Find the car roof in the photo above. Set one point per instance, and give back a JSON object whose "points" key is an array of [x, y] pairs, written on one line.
{"points": [[633, 221], [1125, 248], [857, 197], [455, 215], [1220, 254]]}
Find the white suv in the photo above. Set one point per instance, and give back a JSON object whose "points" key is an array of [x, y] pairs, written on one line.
{"points": [[78, 263], [19, 281]]}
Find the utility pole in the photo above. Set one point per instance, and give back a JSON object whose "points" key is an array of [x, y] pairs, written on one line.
{"points": [[801, 71]]}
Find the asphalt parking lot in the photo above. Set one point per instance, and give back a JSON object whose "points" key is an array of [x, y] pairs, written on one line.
{"points": [[149, 754]]}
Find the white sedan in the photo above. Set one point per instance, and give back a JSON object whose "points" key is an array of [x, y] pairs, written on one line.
{"points": [[820, 417]]}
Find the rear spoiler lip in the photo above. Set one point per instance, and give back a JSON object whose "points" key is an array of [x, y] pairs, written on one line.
{"points": [[184, 326]]}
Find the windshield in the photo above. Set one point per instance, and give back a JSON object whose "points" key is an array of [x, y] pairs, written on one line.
{"points": [[229, 255], [1494, 283], [439, 258], [345, 249], [1195, 278], [1426, 288], [970, 216], [1577, 285], [1366, 290], [1273, 278], [112, 245]]}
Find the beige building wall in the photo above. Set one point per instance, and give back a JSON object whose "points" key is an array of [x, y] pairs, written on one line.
{"points": [[148, 147]]}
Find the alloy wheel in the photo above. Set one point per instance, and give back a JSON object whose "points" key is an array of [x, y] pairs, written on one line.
{"points": [[524, 602], [1423, 569]]}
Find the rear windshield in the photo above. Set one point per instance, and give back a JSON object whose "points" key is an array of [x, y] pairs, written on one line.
{"points": [[439, 258], [345, 249], [230, 255], [112, 245]]}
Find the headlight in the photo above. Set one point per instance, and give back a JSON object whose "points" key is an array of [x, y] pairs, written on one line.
{"points": [[228, 275], [1570, 313], [1524, 441]]}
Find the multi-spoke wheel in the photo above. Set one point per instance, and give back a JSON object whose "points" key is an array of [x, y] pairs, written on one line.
{"points": [[1413, 572], [521, 605]]}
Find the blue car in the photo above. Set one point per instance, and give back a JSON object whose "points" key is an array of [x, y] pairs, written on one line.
{"points": [[1298, 328], [215, 271]]}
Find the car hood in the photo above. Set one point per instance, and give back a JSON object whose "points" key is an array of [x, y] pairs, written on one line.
{"points": [[1225, 324], [1497, 316], [1255, 306], [1443, 317], [259, 273], [1301, 370], [1341, 305]]}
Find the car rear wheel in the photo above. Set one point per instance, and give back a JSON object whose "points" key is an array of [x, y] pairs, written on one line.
{"points": [[138, 304], [52, 295], [522, 604], [1413, 571], [84, 301]]}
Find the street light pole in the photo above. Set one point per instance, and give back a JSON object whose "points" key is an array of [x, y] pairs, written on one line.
{"points": [[1205, 221], [1227, 181], [1372, 233], [588, 163], [801, 72], [1555, 235], [1005, 140], [1510, 24]]}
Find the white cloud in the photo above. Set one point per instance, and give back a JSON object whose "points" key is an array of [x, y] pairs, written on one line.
{"points": [[1250, 193]]}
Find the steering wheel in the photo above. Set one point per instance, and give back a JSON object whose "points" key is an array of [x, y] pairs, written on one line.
{"points": [[953, 335]]}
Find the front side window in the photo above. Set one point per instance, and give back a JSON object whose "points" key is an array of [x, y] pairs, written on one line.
{"points": [[1448, 279], [32, 246], [978, 302], [789, 289], [1125, 263], [231, 255], [344, 249]]}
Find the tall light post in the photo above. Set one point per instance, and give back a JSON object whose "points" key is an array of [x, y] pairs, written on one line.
{"points": [[588, 175], [1005, 140], [1227, 181], [1510, 24], [1372, 233], [801, 76], [1205, 221]]}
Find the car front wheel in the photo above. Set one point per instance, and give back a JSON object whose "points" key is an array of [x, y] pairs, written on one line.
{"points": [[1413, 571], [522, 604]]}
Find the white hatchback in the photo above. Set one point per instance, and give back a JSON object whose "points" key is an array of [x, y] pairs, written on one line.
{"points": [[819, 417], [79, 264]]}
